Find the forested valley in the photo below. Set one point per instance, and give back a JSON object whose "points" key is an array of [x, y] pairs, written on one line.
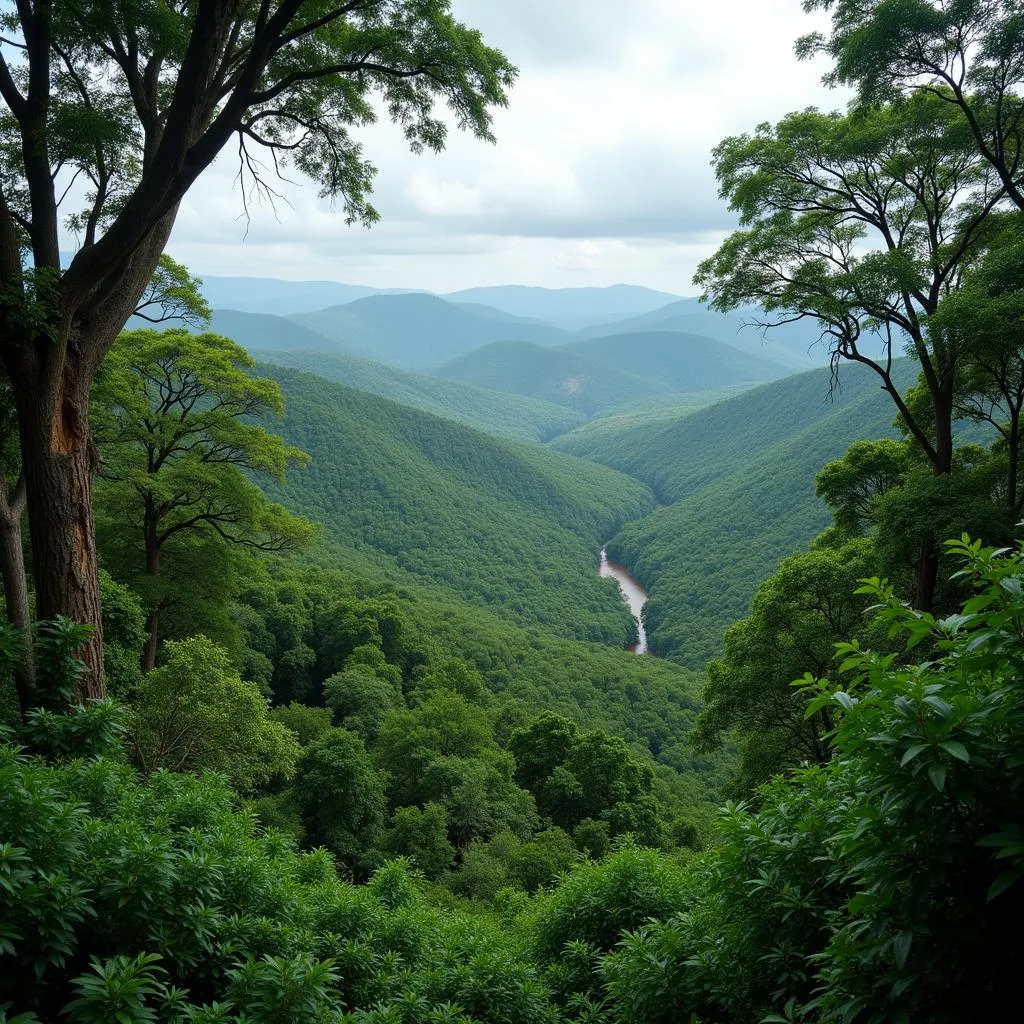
{"points": [[314, 705]]}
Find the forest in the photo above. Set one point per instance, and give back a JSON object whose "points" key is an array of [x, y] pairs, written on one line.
{"points": [[313, 705]]}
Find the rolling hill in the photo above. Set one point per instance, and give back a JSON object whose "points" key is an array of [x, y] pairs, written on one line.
{"points": [[416, 331], [262, 331], [510, 526], [563, 306], [511, 416], [793, 344], [552, 374], [686, 362], [739, 477], [596, 375], [271, 295]]}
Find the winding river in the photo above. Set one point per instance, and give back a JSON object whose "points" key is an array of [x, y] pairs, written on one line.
{"points": [[632, 593]]}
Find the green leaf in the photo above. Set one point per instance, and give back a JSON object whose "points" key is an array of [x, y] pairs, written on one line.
{"points": [[1001, 884], [958, 750], [911, 752], [937, 773]]}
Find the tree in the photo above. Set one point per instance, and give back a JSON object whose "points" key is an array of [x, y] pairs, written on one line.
{"points": [[172, 294], [173, 420], [988, 313], [340, 796], [577, 776], [863, 223], [422, 836], [852, 485], [970, 53], [197, 714], [136, 101], [12, 552], [798, 616]]}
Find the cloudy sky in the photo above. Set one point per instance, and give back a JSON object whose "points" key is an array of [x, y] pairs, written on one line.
{"points": [[600, 173]]}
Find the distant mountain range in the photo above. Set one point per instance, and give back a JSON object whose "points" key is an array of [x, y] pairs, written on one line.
{"points": [[416, 330], [594, 375], [585, 305]]}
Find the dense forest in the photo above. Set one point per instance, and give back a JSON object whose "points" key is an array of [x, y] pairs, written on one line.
{"points": [[313, 703]]}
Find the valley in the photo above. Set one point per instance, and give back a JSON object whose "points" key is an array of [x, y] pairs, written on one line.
{"points": [[426, 629], [716, 443]]}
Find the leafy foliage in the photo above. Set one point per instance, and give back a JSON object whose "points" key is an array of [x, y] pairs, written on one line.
{"points": [[195, 713]]}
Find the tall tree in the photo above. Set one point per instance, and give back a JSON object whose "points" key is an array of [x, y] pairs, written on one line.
{"points": [[172, 294], [136, 100], [968, 53], [864, 224], [175, 422]]}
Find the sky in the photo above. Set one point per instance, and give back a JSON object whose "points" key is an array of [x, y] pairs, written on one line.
{"points": [[601, 171]]}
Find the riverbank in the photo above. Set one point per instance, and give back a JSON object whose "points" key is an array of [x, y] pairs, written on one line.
{"points": [[632, 593]]}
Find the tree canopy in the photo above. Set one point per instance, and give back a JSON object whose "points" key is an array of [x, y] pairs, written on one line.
{"points": [[135, 101], [175, 417]]}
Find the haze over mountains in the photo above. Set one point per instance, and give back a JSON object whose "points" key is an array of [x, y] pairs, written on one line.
{"points": [[586, 351]]}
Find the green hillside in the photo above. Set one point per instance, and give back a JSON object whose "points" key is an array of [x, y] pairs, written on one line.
{"points": [[590, 438], [515, 527], [740, 479], [418, 330], [513, 416], [686, 362], [792, 344], [550, 374], [259, 332]]}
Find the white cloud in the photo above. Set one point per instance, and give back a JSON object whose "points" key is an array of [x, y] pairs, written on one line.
{"points": [[601, 172]]}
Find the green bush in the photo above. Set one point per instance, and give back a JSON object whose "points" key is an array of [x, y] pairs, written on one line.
{"points": [[880, 886], [136, 901]]}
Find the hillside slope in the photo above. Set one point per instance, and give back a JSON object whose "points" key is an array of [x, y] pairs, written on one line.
{"points": [[551, 374], [686, 362], [416, 331], [511, 416], [793, 344], [259, 332], [740, 479], [512, 526]]}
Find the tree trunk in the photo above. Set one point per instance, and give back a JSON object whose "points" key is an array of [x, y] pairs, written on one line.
{"points": [[153, 618], [58, 459], [12, 568]]}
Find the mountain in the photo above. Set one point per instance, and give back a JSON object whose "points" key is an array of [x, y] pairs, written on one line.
{"points": [[739, 477], [686, 362], [512, 416], [619, 300], [551, 374], [270, 295], [794, 344], [514, 527], [261, 331], [416, 330]]}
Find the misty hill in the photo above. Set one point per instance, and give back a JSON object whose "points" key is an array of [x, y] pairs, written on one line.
{"points": [[740, 476], [551, 374], [793, 344], [512, 416], [686, 362], [416, 330], [262, 331], [512, 526], [565, 305], [270, 295]]}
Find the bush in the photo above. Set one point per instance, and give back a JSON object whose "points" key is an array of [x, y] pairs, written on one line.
{"points": [[124, 900]]}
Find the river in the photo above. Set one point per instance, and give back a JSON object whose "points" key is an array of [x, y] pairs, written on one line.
{"points": [[632, 593]]}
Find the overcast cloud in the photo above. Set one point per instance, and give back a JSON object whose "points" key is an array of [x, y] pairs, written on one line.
{"points": [[600, 174]]}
